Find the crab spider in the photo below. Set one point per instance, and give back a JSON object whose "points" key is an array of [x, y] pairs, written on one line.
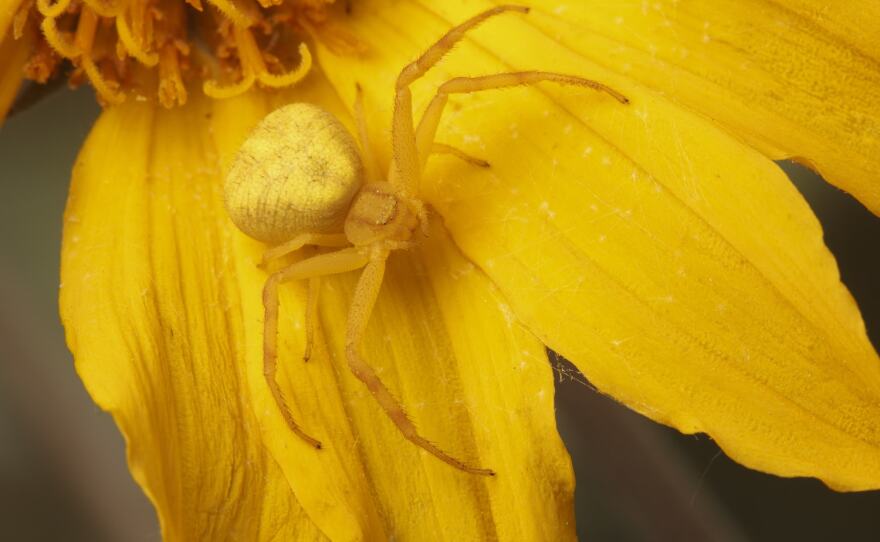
{"points": [[299, 180]]}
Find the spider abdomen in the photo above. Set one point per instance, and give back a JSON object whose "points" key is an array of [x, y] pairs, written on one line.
{"points": [[297, 172]]}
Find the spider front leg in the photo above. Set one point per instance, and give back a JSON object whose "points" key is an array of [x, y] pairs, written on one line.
{"points": [[464, 85], [311, 315], [316, 266], [361, 307], [406, 166]]}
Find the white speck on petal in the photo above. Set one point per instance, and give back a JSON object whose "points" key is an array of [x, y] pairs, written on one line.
{"points": [[545, 208], [506, 311]]}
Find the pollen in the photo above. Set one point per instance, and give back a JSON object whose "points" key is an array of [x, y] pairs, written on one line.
{"points": [[161, 49]]}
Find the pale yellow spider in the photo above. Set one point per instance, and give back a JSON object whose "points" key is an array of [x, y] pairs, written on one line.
{"points": [[298, 180]]}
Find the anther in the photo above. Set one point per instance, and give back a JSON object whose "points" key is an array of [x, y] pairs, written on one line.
{"points": [[107, 89], [171, 88], [135, 43], [42, 62], [253, 68]]}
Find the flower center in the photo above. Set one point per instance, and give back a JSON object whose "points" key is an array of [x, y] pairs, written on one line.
{"points": [[151, 49]]}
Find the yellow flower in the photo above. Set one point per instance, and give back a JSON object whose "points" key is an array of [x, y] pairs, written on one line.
{"points": [[655, 245]]}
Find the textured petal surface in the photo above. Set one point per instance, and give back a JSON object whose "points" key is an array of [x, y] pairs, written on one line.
{"points": [[794, 78], [678, 268], [474, 381], [151, 306]]}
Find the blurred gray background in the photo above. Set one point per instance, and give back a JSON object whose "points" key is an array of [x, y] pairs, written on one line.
{"points": [[62, 463]]}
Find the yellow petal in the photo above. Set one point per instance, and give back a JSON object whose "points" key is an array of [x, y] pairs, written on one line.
{"points": [[151, 306], [14, 54], [793, 78], [678, 269], [8, 8], [475, 383]]}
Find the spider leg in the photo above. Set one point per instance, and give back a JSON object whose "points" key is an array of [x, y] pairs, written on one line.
{"points": [[311, 315], [441, 148], [362, 305], [317, 239], [322, 264], [363, 135], [463, 85], [406, 165]]}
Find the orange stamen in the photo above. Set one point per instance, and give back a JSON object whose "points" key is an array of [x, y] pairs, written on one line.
{"points": [[84, 39], [85, 30], [171, 89], [118, 43], [291, 77], [60, 41], [104, 8], [248, 52], [136, 42], [52, 10], [42, 62], [216, 90], [107, 89], [240, 12]]}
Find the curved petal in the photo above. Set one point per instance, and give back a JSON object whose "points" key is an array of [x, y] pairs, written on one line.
{"points": [[8, 8], [679, 269], [151, 307], [794, 78], [475, 383], [14, 53]]}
